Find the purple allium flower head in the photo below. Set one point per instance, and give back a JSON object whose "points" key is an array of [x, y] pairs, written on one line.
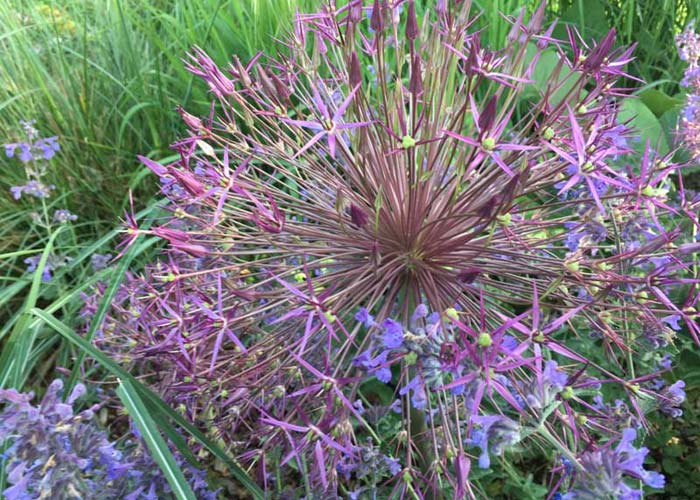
{"points": [[312, 190]]}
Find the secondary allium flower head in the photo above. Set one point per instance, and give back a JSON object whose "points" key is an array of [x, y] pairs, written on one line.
{"points": [[314, 190]]}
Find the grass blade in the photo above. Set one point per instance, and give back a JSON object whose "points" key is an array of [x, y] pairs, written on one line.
{"points": [[155, 442], [15, 354]]}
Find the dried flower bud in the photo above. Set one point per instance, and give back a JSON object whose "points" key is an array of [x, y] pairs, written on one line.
{"points": [[412, 31]]}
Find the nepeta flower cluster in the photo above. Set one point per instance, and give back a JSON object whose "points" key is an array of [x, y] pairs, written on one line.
{"points": [[34, 154], [603, 471], [508, 250], [53, 452], [689, 48]]}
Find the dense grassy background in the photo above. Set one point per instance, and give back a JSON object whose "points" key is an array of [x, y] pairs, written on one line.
{"points": [[106, 77]]}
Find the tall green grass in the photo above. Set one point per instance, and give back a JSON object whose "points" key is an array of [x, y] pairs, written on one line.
{"points": [[106, 77]]}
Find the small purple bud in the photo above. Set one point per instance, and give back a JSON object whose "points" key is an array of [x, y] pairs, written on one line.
{"points": [[153, 166], [187, 180], [282, 90], [441, 7], [376, 22], [468, 275], [190, 248], [172, 235], [358, 216], [242, 73], [355, 70], [355, 14], [411, 22], [687, 248], [488, 116], [415, 86], [488, 209], [194, 123]]}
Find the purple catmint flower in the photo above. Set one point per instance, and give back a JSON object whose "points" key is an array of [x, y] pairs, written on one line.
{"points": [[363, 316], [688, 43], [554, 377], [35, 148], [589, 234], [392, 336], [493, 434], [376, 366], [672, 398], [53, 262], [61, 216], [545, 390], [416, 387], [665, 362], [605, 472], [100, 261], [25, 153], [48, 147], [32, 188], [54, 452]]}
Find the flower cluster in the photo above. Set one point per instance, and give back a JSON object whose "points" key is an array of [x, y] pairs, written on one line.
{"points": [[34, 153], [689, 48], [52, 452], [603, 474], [508, 251], [53, 261]]}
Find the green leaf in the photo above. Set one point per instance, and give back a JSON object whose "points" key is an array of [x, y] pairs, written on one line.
{"points": [[671, 465], [588, 16], [155, 442], [658, 102], [549, 73], [645, 122], [151, 399]]}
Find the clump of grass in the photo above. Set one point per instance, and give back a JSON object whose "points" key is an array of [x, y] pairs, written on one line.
{"points": [[107, 78]]}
